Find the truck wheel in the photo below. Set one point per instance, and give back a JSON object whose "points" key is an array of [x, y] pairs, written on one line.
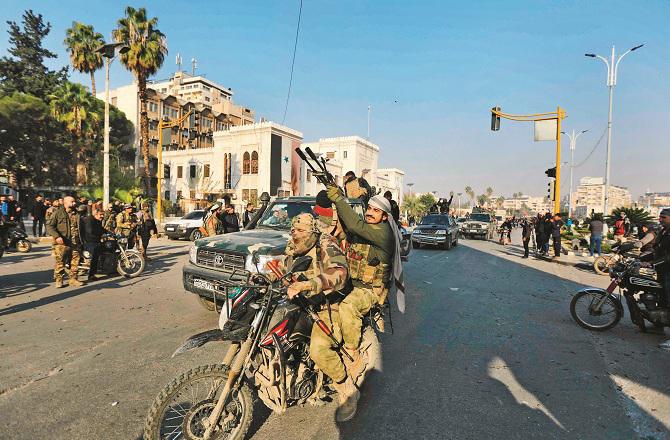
{"points": [[195, 235]]}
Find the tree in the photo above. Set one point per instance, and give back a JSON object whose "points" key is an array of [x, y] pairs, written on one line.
{"points": [[637, 216], [32, 142], [424, 202], [499, 202], [82, 42], [489, 192], [482, 199], [147, 49], [74, 107], [25, 71], [471, 194], [410, 204]]}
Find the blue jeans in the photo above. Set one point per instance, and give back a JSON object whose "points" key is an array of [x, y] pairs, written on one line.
{"points": [[596, 241]]}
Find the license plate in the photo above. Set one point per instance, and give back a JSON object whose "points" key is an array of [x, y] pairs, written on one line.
{"points": [[169, 229], [202, 284]]}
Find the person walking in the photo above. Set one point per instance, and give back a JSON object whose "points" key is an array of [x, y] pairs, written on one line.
{"points": [[526, 232], [556, 226], [39, 215], [248, 214], [548, 228], [230, 220], [146, 228], [64, 227], [596, 228], [621, 228], [91, 235]]}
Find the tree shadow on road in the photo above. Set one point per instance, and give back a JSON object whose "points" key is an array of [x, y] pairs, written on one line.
{"points": [[469, 362]]}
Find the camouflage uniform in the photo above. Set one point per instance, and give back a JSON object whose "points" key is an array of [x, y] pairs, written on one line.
{"points": [[65, 224], [109, 220], [369, 256], [327, 276]]}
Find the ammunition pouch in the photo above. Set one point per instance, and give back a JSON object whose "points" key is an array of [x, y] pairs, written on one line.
{"points": [[373, 274]]}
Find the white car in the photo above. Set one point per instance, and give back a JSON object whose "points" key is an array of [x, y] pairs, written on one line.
{"points": [[187, 226]]}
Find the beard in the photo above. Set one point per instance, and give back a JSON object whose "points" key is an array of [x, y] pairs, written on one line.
{"points": [[303, 246]]}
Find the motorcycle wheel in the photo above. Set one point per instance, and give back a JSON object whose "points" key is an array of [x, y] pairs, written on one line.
{"points": [[179, 409], [601, 265], [133, 267], [583, 312], [24, 246]]}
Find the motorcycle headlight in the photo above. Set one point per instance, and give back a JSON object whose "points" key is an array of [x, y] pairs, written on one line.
{"points": [[263, 261], [192, 253]]}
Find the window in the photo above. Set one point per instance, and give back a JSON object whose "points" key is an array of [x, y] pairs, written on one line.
{"points": [[253, 196], [245, 194], [219, 126], [179, 196], [192, 172], [309, 175], [167, 195], [166, 173], [207, 99], [192, 194], [114, 101], [330, 155], [344, 154], [205, 171], [180, 172], [153, 107], [245, 163], [254, 163], [206, 88]]}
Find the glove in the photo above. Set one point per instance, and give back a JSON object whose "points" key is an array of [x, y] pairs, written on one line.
{"points": [[334, 193], [297, 287]]}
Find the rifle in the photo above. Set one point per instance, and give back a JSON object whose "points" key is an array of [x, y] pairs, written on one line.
{"points": [[320, 171]]}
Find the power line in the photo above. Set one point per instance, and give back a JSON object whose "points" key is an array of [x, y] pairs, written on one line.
{"points": [[295, 46], [588, 156]]}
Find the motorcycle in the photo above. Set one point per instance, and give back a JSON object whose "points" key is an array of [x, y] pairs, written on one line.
{"points": [[268, 357], [601, 309], [603, 263], [18, 239], [113, 255]]}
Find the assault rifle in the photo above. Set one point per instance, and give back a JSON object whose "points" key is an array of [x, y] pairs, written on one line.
{"points": [[320, 171]]}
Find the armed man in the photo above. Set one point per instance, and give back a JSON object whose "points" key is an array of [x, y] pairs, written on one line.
{"points": [[325, 283], [373, 256], [125, 224], [63, 226]]}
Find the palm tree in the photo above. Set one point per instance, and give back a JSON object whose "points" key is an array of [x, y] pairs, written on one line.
{"points": [[82, 41], [147, 49], [499, 202], [489, 192], [74, 107], [471, 194]]}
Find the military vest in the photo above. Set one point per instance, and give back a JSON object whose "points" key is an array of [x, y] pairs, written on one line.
{"points": [[371, 273], [355, 190]]}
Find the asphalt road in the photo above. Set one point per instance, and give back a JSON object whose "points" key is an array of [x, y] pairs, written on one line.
{"points": [[487, 349]]}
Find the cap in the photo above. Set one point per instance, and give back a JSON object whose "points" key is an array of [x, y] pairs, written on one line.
{"points": [[127, 206], [305, 221], [665, 211]]}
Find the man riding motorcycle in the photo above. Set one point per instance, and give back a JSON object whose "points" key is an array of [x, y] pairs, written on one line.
{"points": [[373, 255], [325, 282]]}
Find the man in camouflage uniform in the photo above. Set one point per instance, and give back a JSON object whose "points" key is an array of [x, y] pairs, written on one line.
{"points": [[371, 252], [325, 281], [125, 224], [109, 219], [63, 226]]}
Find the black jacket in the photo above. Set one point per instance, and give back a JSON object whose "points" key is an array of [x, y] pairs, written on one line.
{"points": [[248, 215], [39, 210], [230, 223], [91, 230], [395, 211]]}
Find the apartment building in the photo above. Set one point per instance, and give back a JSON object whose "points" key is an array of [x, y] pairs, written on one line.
{"points": [[589, 197]]}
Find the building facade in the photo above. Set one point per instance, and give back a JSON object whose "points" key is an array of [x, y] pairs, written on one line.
{"points": [[589, 197], [534, 205]]}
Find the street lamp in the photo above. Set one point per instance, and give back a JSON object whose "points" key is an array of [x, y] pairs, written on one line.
{"points": [[109, 51], [459, 202], [573, 144], [612, 70], [410, 185]]}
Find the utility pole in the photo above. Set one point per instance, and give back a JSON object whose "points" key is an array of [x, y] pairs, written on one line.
{"points": [[612, 70], [573, 144], [369, 111]]}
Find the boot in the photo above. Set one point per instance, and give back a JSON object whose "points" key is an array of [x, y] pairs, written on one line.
{"points": [[75, 282], [348, 396]]}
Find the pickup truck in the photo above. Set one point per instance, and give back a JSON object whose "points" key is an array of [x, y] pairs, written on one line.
{"points": [[219, 265], [479, 224]]}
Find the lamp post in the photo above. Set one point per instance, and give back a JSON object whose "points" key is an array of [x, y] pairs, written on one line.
{"points": [[573, 144], [109, 52], [459, 202], [410, 185], [612, 70]]}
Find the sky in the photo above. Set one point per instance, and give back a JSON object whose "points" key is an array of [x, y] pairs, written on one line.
{"points": [[431, 71]]}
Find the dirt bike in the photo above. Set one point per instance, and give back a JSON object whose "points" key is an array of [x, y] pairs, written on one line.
{"points": [[268, 357], [601, 309], [113, 256]]}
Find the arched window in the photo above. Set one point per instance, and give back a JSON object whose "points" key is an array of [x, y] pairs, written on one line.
{"points": [[245, 163], [254, 162]]}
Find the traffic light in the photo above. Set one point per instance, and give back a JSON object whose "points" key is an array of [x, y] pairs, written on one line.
{"points": [[551, 193], [193, 130], [551, 172], [495, 119]]}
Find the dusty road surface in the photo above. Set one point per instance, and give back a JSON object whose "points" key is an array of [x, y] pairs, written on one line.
{"points": [[487, 349]]}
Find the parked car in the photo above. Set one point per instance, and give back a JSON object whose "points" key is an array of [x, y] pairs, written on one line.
{"points": [[436, 230], [186, 227], [224, 262], [481, 225]]}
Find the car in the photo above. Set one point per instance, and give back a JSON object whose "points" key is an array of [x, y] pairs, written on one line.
{"points": [[222, 264], [479, 224], [437, 230], [186, 227]]}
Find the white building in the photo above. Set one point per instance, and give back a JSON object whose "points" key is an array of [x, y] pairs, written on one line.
{"points": [[534, 204], [391, 179], [589, 197], [244, 162]]}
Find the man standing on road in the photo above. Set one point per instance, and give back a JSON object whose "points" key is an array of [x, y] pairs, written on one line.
{"points": [[395, 209], [146, 228], [526, 232], [596, 228], [621, 228], [125, 224], [212, 223], [63, 226], [248, 214], [4, 220], [556, 226], [374, 264], [91, 234], [230, 220], [661, 260], [38, 213]]}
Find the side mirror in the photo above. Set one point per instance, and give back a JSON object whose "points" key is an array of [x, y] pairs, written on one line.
{"points": [[301, 263]]}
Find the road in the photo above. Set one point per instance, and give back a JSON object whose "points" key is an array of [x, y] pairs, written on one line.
{"points": [[487, 349]]}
